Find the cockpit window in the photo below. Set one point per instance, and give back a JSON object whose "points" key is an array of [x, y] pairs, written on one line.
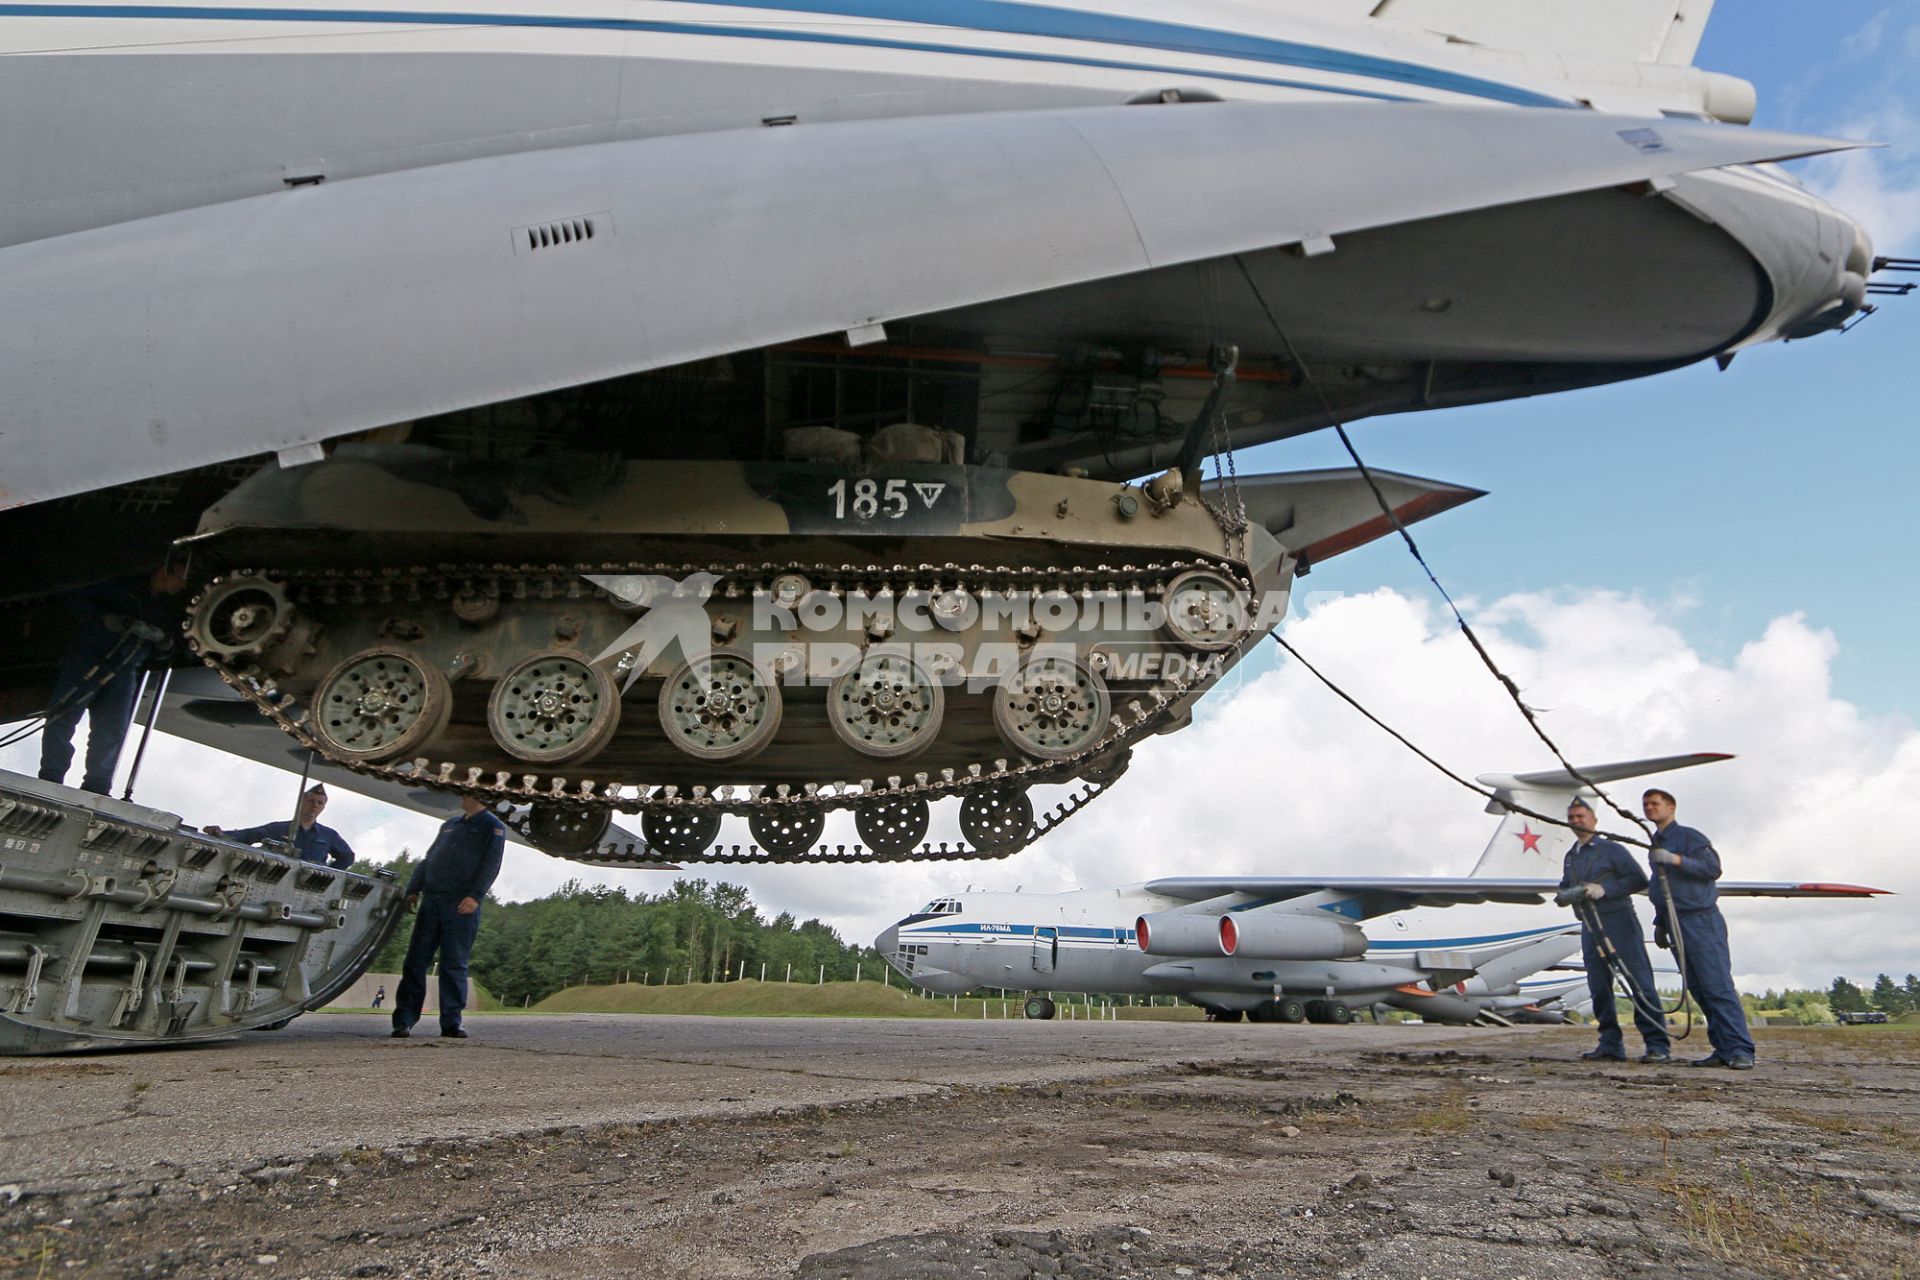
{"points": [[940, 907]]}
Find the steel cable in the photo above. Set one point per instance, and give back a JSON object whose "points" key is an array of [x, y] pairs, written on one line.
{"points": [[1506, 682]]}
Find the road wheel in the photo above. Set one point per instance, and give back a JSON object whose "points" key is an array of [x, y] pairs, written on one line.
{"points": [[380, 704], [889, 706], [1205, 611], [788, 831], [553, 708], [680, 833], [721, 707], [562, 829], [997, 820], [892, 825], [1039, 1008], [1051, 708]]}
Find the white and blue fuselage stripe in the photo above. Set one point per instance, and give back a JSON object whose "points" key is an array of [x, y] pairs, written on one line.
{"points": [[960, 931], [964, 931], [1389, 78]]}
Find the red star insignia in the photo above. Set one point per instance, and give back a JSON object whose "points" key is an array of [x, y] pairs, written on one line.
{"points": [[1528, 837]]}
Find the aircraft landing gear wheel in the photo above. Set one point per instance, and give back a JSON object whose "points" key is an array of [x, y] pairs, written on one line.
{"points": [[787, 832], [1205, 611], [888, 706], [1051, 708], [720, 707], [1288, 1009], [1223, 1015], [1038, 1008], [554, 708], [1338, 1014], [892, 826], [680, 833], [380, 704], [1317, 1011], [562, 829], [1262, 1012], [996, 821]]}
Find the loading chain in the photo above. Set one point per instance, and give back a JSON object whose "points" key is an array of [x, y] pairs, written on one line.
{"points": [[548, 582]]}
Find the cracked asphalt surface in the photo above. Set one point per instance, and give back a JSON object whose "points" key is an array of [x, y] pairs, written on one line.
{"points": [[586, 1146]]}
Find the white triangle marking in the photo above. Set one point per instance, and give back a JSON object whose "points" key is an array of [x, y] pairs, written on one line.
{"points": [[929, 493]]}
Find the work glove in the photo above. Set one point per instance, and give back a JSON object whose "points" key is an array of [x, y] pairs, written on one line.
{"points": [[1665, 858], [1661, 938], [1594, 890], [1573, 893]]}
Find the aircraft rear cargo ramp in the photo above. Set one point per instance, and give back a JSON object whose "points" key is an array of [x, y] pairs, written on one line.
{"points": [[119, 927]]}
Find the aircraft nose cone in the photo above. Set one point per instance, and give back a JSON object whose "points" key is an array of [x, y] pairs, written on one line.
{"points": [[888, 942]]}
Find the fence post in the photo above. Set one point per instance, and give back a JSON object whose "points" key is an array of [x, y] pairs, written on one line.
{"points": [[823, 976], [856, 971], [763, 971], [743, 972], [789, 971]]}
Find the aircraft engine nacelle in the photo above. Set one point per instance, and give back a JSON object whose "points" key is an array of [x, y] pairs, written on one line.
{"points": [[1290, 936], [1178, 933]]}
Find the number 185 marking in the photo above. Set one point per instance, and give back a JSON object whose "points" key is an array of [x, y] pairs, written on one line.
{"points": [[870, 499]]}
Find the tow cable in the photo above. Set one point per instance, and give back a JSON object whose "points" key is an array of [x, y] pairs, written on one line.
{"points": [[1647, 1003], [1650, 1005]]}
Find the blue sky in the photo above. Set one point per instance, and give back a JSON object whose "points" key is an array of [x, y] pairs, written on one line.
{"points": [[1784, 485]]}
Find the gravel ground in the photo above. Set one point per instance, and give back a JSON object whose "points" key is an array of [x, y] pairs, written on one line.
{"points": [[588, 1147]]}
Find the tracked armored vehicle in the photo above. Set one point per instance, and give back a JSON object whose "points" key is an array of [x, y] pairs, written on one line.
{"points": [[119, 927], [695, 639]]}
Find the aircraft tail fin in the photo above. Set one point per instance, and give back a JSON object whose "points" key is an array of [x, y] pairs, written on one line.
{"points": [[1651, 31], [1523, 847]]}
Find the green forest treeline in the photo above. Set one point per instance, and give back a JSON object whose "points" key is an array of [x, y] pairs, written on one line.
{"points": [[694, 931]]}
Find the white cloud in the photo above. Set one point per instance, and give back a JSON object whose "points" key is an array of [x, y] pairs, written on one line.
{"points": [[1277, 777], [1879, 186], [1874, 98]]}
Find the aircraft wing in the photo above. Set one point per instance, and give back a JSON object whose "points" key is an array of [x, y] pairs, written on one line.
{"points": [[277, 322], [1318, 514], [1381, 895]]}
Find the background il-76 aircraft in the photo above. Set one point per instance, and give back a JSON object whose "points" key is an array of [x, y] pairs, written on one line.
{"points": [[704, 409], [1292, 948]]}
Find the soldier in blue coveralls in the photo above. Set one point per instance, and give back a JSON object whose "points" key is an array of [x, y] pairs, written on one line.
{"points": [[1685, 862], [313, 841], [447, 889], [1604, 875], [123, 624]]}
